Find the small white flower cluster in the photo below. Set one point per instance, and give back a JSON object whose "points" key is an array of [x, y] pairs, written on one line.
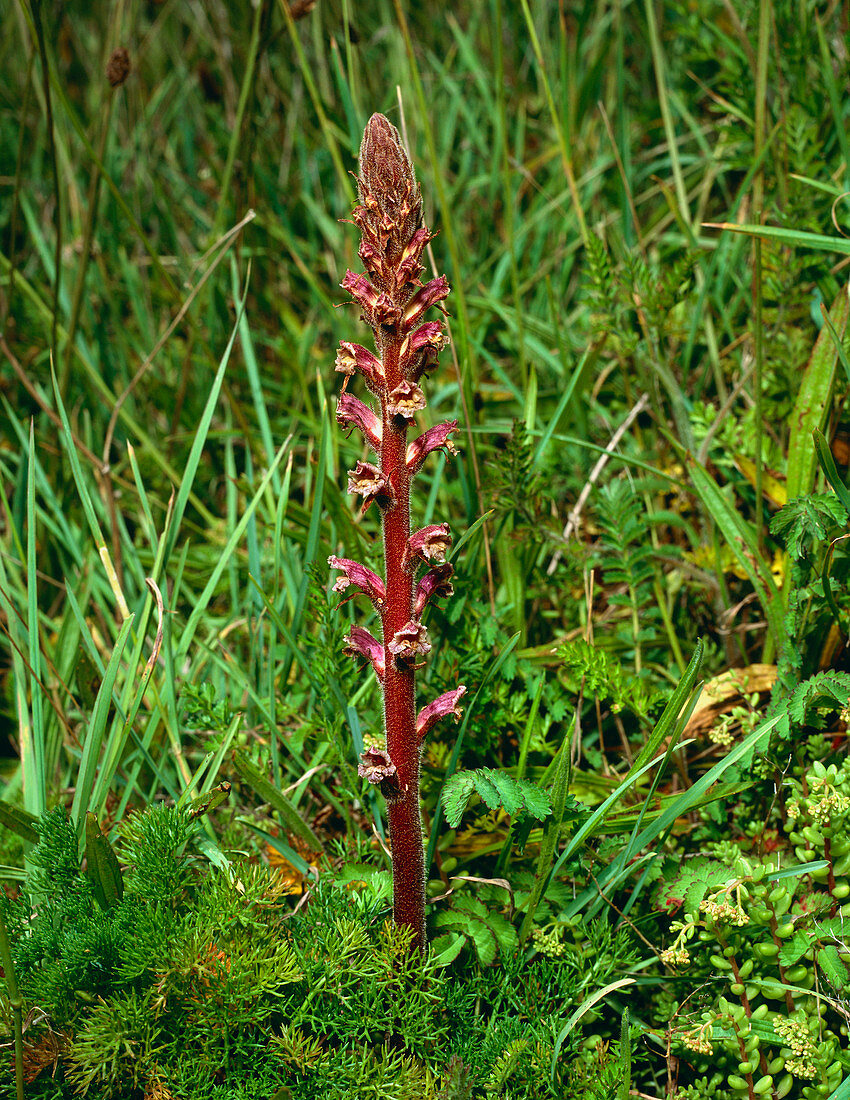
{"points": [[548, 943], [699, 1040], [795, 1033], [675, 956], [723, 909]]}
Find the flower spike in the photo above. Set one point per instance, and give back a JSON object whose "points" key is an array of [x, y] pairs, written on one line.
{"points": [[406, 399], [376, 766], [372, 483], [429, 544], [393, 301], [419, 351], [428, 296], [352, 358], [436, 584], [352, 413], [406, 644]]}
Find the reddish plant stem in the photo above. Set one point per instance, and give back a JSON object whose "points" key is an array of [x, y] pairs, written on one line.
{"points": [[399, 696]]}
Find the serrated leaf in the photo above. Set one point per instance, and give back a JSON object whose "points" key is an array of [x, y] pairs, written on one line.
{"points": [[834, 967], [504, 932], [794, 948], [486, 944], [824, 689], [806, 520], [497, 790]]}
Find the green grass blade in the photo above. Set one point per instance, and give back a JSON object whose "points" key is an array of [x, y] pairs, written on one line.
{"points": [[93, 741]]}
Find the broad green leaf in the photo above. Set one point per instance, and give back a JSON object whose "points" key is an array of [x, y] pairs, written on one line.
{"points": [[813, 401], [290, 817], [102, 867]]}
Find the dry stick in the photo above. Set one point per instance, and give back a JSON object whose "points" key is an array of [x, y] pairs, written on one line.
{"points": [[575, 514]]}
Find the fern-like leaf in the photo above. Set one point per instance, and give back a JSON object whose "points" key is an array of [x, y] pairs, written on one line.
{"points": [[827, 689], [497, 790]]}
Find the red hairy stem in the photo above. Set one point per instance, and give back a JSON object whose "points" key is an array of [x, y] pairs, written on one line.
{"points": [[393, 300], [399, 701]]}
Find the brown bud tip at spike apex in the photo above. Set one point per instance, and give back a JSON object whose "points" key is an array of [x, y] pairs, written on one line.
{"points": [[386, 175], [118, 67]]}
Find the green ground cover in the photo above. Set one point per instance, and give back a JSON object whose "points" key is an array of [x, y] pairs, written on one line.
{"points": [[638, 860]]}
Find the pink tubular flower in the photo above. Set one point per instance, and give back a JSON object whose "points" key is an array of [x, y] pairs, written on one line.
{"points": [[418, 352], [429, 295], [405, 400], [439, 708], [352, 413], [376, 766], [406, 644], [352, 358], [436, 584], [360, 577], [429, 544], [377, 305], [360, 643], [372, 484], [409, 267], [435, 439]]}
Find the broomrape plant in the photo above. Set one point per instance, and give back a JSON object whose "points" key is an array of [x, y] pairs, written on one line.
{"points": [[394, 300]]}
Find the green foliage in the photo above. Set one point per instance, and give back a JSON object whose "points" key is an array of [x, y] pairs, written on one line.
{"points": [[605, 679], [806, 521], [824, 693], [497, 790], [771, 938], [203, 710], [488, 932]]}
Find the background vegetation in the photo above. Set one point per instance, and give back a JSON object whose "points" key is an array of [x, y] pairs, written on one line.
{"points": [[653, 430]]}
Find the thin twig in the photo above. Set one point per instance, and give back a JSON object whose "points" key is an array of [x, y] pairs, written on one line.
{"points": [[578, 507]]}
